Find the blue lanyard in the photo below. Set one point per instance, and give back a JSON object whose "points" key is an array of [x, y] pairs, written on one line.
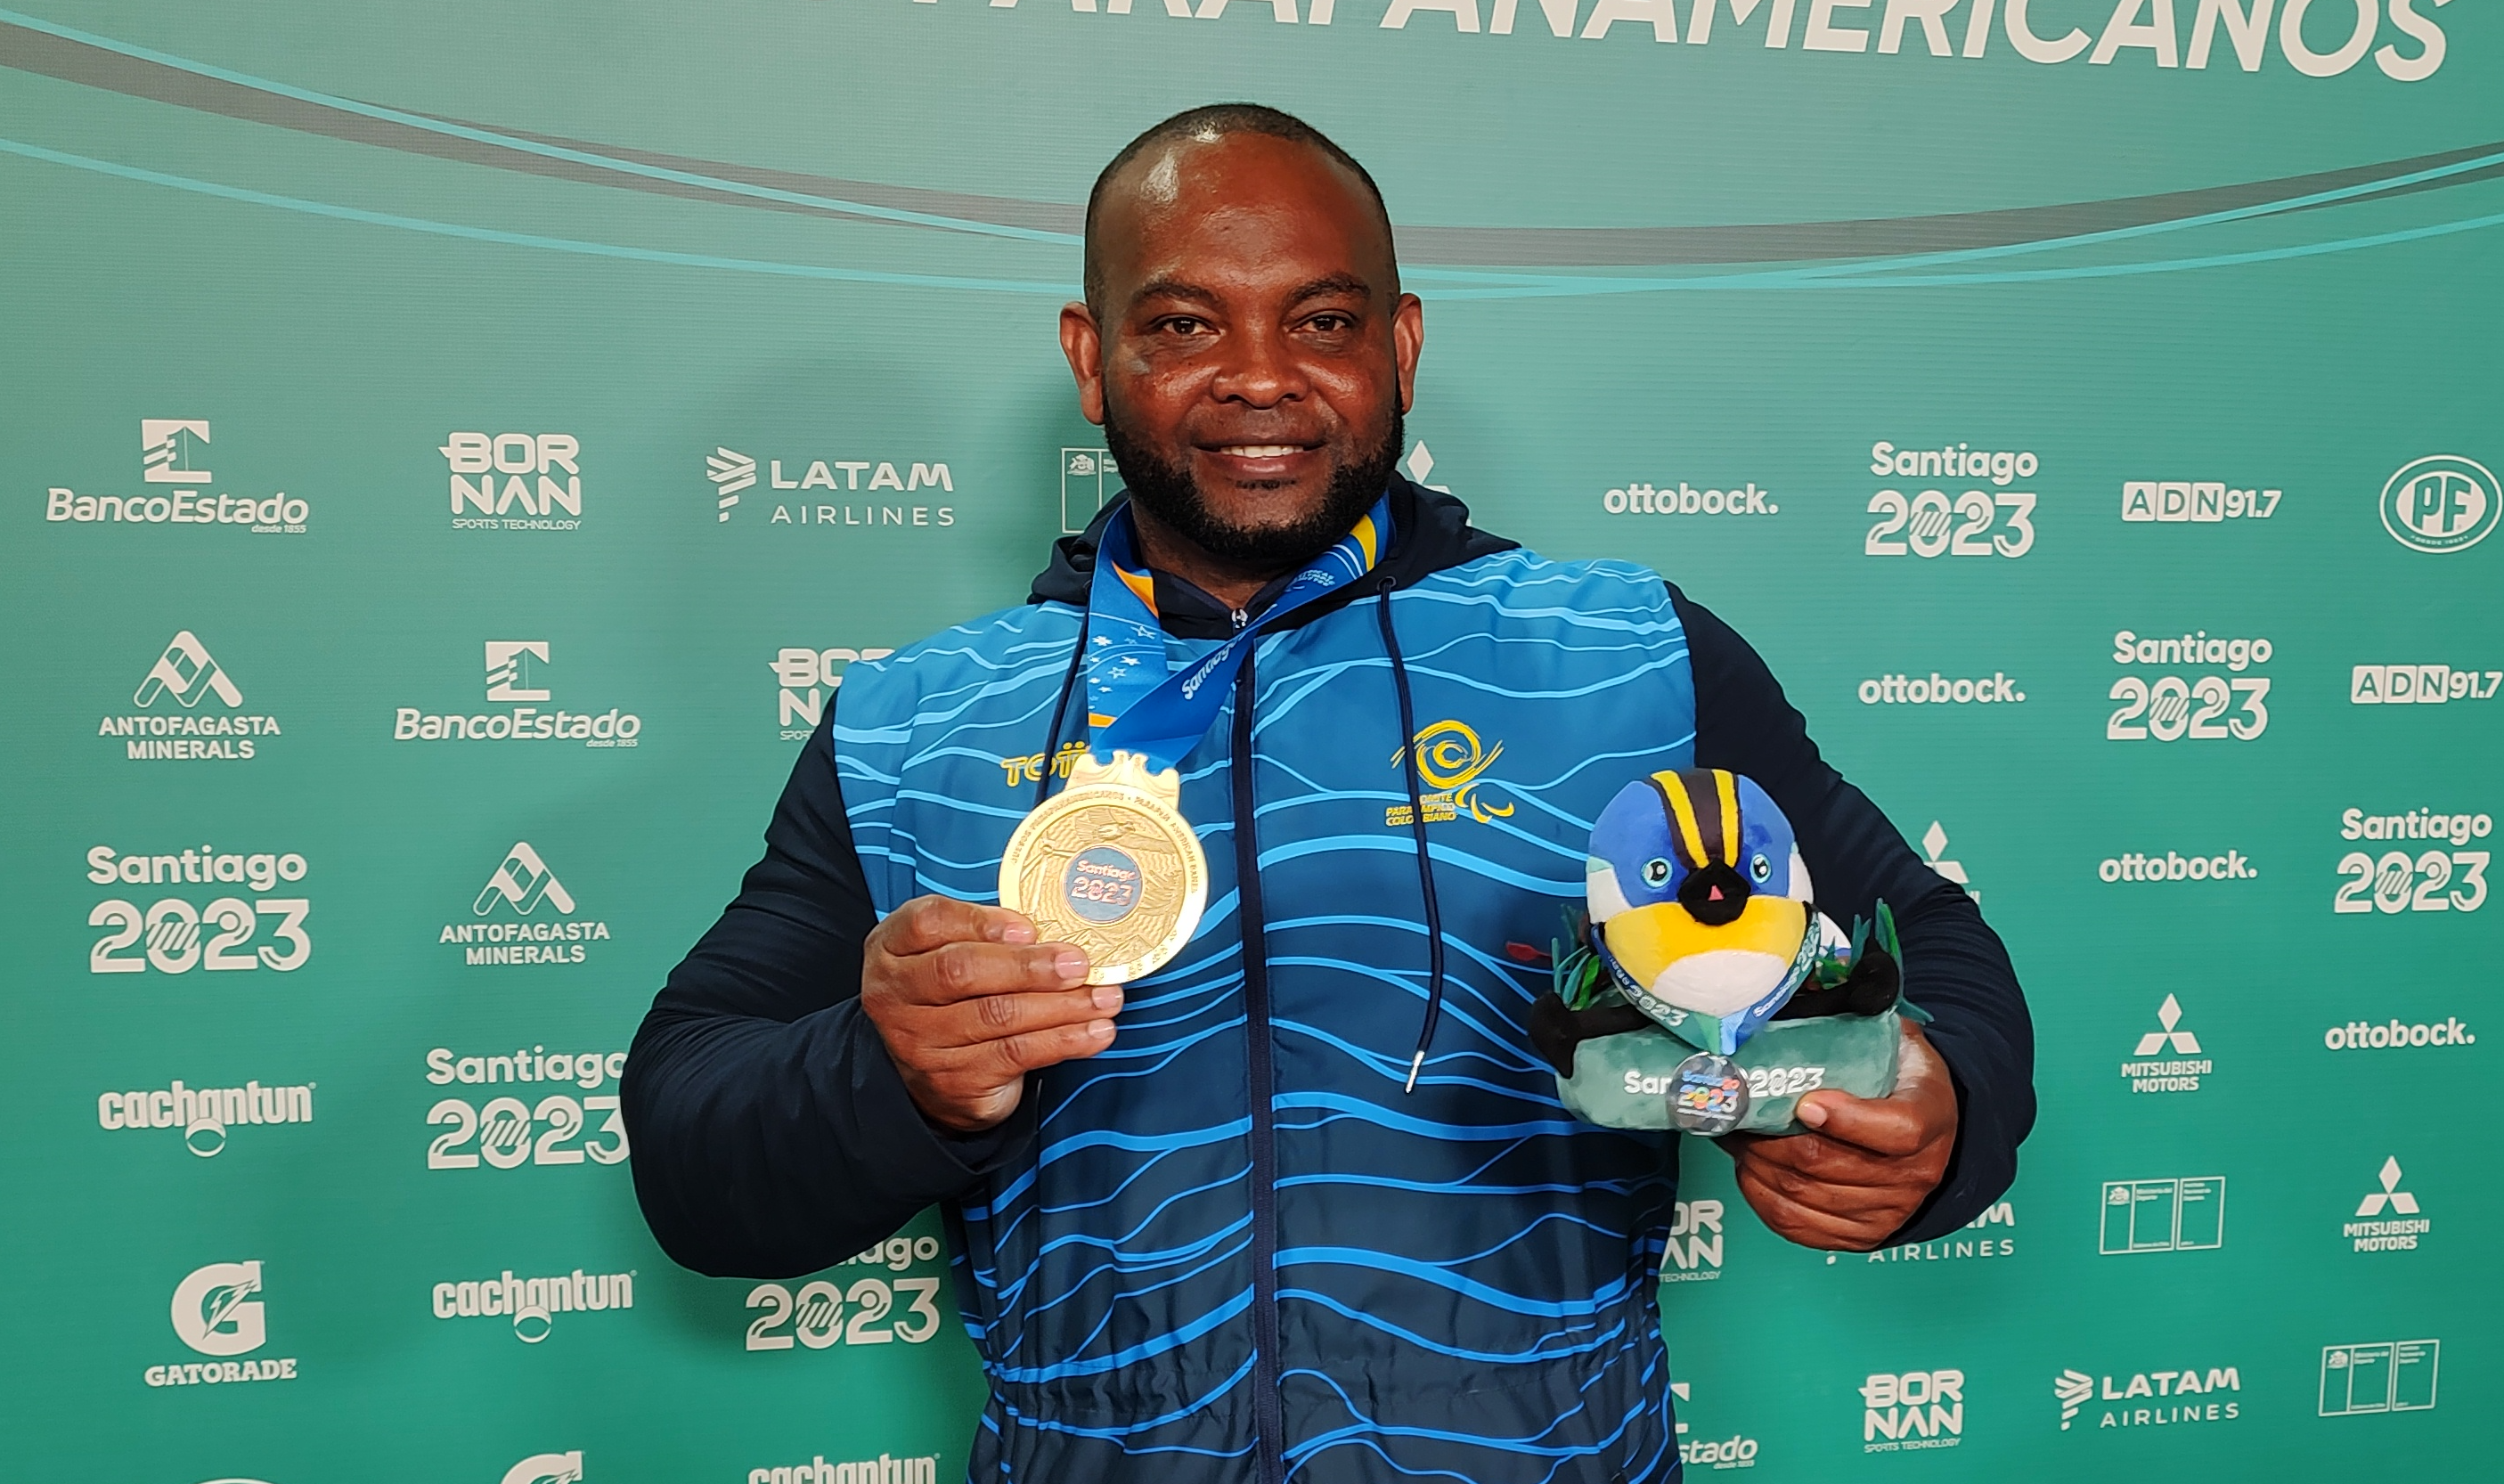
{"points": [[1133, 703]]}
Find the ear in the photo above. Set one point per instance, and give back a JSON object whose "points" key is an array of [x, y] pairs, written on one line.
{"points": [[1083, 344], [1408, 343]]}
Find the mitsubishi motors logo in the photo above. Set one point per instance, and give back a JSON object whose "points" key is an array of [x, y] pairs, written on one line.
{"points": [[2168, 1034], [2389, 1220], [508, 669], [2180, 1062], [2390, 1194], [1934, 842]]}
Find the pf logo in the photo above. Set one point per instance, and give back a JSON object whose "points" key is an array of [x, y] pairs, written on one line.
{"points": [[2443, 504], [214, 1311], [548, 1468]]}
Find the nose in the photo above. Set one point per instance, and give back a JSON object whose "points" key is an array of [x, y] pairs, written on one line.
{"points": [[1714, 895], [1258, 369]]}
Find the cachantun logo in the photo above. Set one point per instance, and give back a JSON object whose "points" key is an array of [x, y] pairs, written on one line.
{"points": [[808, 679], [510, 481], [516, 673], [2164, 1392], [169, 723], [169, 449], [1912, 1410], [2182, 1212], [202, 1117], [876, 492], [2441, 503], [218, 1312], [2419, 684], [2197, 501], [2389, 1218], [2168, 1058], [509, 925], [886, 1468], [532, 1304], [225, 925]]}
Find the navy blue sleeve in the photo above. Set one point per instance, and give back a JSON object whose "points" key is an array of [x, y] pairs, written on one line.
{"points": [[1955, 966], [772, 1135]]}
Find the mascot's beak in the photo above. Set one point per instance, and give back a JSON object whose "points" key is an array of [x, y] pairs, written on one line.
{"points": [[1716, 956], [1715, 895]]}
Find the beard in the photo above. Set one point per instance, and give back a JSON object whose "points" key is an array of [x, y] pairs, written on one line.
{"points": [[1167, 492]]}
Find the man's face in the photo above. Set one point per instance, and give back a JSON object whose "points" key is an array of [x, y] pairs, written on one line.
{"points": [[1252, 360]]}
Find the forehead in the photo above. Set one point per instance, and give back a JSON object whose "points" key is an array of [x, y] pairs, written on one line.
{"points": [[1250, 207]]}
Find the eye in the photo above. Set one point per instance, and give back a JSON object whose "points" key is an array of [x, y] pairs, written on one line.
{"points": [[1761, 869], [1656, 872]]}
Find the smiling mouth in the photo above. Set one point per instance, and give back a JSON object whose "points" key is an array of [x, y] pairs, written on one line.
{"points": [[1258, 450]]}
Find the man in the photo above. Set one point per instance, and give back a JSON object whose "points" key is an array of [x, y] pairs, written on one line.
{"points": [[1304, 1200]]}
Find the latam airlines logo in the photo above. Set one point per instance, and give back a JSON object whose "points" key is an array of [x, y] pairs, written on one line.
{"points": [[886, 490], [1976, 1240], [215, 1312], [169, 722], [2163, 1390], [2441, 505], [510, 481], [508, 925], [170, 449], [517, 673]]}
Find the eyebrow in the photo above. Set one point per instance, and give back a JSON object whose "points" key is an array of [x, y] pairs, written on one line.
{"points": [[1174, 289], [1325, 287], [1334, 284]]}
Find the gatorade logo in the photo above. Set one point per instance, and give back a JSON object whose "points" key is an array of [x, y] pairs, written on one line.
{"points": [[548, 1468], [216, 1311]]}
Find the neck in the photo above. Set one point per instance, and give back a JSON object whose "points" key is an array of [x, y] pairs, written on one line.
{"points": [[1168, 551]]}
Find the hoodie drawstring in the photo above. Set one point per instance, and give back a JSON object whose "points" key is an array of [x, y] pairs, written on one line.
{"points": [[1417, 830], [1060, 708]]}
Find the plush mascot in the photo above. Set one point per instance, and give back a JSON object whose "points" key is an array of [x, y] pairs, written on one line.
{"points": [[1702, 989]]}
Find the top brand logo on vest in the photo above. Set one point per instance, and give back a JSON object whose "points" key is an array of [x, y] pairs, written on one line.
{"points": [[2441, 503]]}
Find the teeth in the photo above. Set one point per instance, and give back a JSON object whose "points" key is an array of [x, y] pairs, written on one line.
{"points": [[1260, 450]]}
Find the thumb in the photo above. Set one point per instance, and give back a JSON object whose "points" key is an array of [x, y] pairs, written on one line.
{"points": [[1894, 1124]]}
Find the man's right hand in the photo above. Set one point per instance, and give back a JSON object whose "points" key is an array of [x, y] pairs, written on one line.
{"points": [[968, 1003]]}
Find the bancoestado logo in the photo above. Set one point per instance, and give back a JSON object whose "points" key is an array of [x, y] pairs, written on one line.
{"points": [[170, 724], [206, 929], [1694, 1250], [510, 926], [215, 1312], [1912, 1410], [1683, 499], [1998, 522], [2389, 1218], [2174, 866], [509, 481], [203, 1116], [2179, 1061], [515, 674], [2181, 1213], [1935, 689], [532, 1304], [851, 1310], [2406, 879], [1451, 763], [507, 1132], [1738, 1451], [732, 472], [168, 450], [886, 1468], [2198, 708], [2419, 684], [2164, 1390], [809, 678], [2199, 502], [2441, 505], [1982, 1244]]}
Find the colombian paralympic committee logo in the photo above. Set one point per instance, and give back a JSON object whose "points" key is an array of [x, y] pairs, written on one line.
{"points": [[2441, 503]]}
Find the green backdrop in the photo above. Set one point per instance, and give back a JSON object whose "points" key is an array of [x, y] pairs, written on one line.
{"points": [[606, 378]]}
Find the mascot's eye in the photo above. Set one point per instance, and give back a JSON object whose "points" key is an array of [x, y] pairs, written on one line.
{"points": [[1656, 872], [1761, 869]]}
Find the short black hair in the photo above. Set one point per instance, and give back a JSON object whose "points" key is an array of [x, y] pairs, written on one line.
{"points": [[1212, 122]]}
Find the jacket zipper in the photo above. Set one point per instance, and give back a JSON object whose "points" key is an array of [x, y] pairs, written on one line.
{"points": [[1268, 1422]]}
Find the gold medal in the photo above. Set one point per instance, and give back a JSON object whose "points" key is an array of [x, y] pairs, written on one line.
{"points": [[1110, 864]]}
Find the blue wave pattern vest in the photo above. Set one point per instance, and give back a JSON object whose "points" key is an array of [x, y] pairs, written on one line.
{"points": [[1239, 1250]]}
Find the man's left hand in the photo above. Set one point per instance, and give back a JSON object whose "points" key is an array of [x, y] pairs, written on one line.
{"points": [[1866, 1165]]}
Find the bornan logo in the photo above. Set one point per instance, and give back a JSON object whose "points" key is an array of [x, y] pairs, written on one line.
{"points": [[2383, 1376], [516, 673], [204, 1115], [532, 1304], [2180, 1071], [215, 1312], [2441, 505], [2197, 501], [1451, 763], [2387, 1219], [548, 1468], [1694, 1250], [809, 678], [2419, 684], [2163, 1390], [508, 482], [2186, 1213], [1912, 1410], [1738, 1451], [891, 492], [169, 449], [172, 725], [509, 925]]}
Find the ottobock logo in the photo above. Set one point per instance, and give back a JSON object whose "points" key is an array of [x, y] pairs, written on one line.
{"points": [[2389, 1218], [1451, 767], [886, 1468], [2441, 503], [523, 916], [1935, 689], [2163, 1391], [188, 708], [2414, 873], [1935, 845], [1738, 1451], [2366, 1035], [2382, 1376], [808, 677], [864, 492], [532, 1304], [226, 923], [2419, 684], [216, 1311], [170, 454], [1088, 479], [1976, 1240], [2174, 866], [516, 676], [202, 1117], [1694, 1252], [2183, 1213], [1912, 1410], [509, 481], [2191, 707], [1683, 499], [2197, 501], [548, 1468], [2169, 1057]]}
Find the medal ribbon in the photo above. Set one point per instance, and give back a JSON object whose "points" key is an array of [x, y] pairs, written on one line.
{"points": [[1133, 703]]}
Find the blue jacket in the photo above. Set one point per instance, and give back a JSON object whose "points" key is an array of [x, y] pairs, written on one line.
{"points": [[1231, 1247]]}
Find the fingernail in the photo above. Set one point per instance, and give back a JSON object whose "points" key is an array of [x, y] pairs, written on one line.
{"points": [[1108, 997], [1070, 964], [1013, 932], [1813, 1115], [1100, 1031]]}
